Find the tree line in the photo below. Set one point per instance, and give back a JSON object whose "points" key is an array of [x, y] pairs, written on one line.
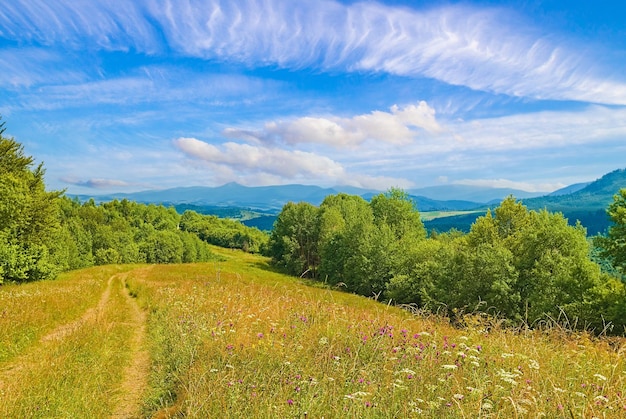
{"points": [[524, 266], [45, 232]]}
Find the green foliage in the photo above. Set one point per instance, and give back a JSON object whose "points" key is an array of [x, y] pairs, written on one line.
{"points": [[28, 218], [223, 232], [294, 239], [43, 233], [613, 245], [525, 266]]}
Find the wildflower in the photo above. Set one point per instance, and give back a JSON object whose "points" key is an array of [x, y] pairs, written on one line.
{"points": [[260, 335], [290, 402], [323, 341], [533, 364], [458, 396], [449, 367], [600, 377]]}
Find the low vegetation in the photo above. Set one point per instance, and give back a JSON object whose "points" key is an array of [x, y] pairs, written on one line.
{"points": [[508, 320], [235, 339]]}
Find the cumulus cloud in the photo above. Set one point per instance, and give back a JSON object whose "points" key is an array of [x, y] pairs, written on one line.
{"points": [[399, 126], [275, 165]]}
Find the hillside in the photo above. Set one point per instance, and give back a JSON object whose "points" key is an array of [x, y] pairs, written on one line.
{"points": [[596, 195], [234, 339], [272, 198], [258, 206], [586, 203]]}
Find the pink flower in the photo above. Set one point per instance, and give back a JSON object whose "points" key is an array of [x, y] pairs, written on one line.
{"points": [[290, 402]]}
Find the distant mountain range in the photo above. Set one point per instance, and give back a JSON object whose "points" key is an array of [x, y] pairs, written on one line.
{"points": [[268, 198], [584, 202], [258, 206]]}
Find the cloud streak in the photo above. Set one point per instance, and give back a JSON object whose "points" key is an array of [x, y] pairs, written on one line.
{"points": [[483, 49], [97, 183]]}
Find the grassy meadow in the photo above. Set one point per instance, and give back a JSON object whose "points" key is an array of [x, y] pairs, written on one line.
{"points": [[236, 339]]}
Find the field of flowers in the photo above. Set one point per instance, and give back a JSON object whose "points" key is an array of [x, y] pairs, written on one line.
{"points": [[234, 339]]}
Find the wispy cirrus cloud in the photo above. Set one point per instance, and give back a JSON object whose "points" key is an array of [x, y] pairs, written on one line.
{"points": [[26, 67], [481, 48], [487, 49], [400, 126], [75, 24]]}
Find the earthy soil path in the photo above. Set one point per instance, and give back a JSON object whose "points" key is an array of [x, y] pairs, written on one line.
{"points": [[135, 375], [135, 380]]}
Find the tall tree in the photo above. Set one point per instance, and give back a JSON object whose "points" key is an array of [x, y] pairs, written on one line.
{"points": [[28, 215], [614, 244], [294, 239]]}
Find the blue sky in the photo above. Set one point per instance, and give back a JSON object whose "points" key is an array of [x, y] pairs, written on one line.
{"points": [[126, 96]]}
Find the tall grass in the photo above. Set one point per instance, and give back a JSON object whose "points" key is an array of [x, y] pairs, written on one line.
{"points": [[76, 373], [30, 311], [236, 340]]}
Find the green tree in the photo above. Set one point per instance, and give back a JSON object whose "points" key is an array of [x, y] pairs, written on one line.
{"points": [[28, 216], [398, 211], [613, 245], [294, 239], [163, 247], [346, 228]]}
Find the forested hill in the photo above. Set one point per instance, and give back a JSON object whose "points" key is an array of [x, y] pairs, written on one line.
{"points": [[596, 195], [587, 205]]}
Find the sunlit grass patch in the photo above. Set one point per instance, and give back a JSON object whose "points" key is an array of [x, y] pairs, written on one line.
{"points": [[29, 311], [75, 374], [236, 340]]}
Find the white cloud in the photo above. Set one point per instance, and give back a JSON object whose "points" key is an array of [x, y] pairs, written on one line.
{"points": [[506, 183], [266, 165], [482, 48], [96, 183], [25, 67], [102, 24], [397, 127], [539, 130]]}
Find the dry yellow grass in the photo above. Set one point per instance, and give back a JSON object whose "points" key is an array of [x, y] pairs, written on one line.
{"points": [[235, 339]]}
